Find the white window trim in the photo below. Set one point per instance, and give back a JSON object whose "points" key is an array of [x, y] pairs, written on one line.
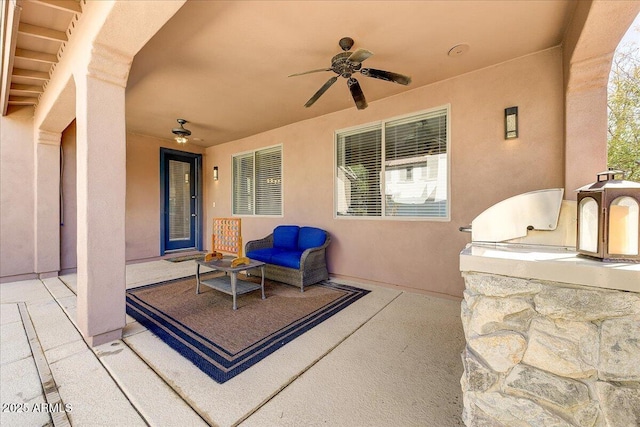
{"points": [[281, 215], [380, 123]]}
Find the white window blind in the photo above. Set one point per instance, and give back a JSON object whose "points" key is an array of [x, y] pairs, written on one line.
{"points": [[243, 184], [397, 168], [359, 159], [257, 182], [269, 181]]}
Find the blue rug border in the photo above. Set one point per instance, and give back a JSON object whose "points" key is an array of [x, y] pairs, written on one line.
{"points": [[242, 363], [140, 306]]}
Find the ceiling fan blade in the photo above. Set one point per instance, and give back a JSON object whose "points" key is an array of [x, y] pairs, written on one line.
{"points": [[309, 72], [386, 75], [359, 55], [320, 91], [357, 94]]}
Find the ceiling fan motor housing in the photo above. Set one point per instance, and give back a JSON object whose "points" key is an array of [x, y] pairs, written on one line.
{"points": [[341, 65], [181, 131]]}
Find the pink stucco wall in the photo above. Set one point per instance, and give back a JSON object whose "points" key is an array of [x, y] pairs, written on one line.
{"points": [[143, 193], [16, 193], [421, 255], [143, 196], [69, 224]]}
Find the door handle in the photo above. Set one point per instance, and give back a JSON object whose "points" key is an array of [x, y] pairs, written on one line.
{"points": [[194, 214]]}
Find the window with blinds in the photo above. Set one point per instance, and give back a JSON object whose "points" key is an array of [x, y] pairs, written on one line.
{"points": [[396, 168], [257, 182]]}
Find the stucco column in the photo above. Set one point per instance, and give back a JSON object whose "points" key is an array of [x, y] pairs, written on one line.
{"points": [[586, 122], [101, 186], [47, 203]]}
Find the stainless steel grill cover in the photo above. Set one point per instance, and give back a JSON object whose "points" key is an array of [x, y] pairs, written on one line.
{"points": [[513, 217]]}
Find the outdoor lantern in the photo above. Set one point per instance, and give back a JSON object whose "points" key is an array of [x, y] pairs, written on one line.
{"points": [[511, 123], [609, 219]]}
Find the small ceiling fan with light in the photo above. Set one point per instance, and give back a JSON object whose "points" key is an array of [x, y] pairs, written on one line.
{"points": [[346, 64], [181, 133]]}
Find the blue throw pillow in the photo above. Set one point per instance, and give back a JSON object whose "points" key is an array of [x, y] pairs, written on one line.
{"points": [[286, 237], [310, 237]]}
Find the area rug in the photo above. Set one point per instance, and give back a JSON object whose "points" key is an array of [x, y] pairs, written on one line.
{"points": [[186, 257], [223, 342]]}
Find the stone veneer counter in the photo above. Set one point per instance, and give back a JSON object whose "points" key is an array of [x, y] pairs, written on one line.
{"points": [[553, 339]]}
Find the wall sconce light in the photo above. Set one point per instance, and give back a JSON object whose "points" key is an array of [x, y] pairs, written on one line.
{"points": [[215, 173], [511, 123], [609, 218]]}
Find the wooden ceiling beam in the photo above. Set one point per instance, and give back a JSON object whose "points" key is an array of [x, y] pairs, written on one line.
{"points": [[22, 100], [11, 14], [42, 32], [30, 74], [66, 5], [18, 89], [32, 55]]}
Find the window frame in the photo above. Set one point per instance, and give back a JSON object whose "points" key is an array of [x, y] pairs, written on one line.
{"points": [[381, 125], [253, 193]]}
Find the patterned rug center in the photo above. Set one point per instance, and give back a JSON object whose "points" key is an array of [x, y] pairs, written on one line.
{"points": [[206, 330]]}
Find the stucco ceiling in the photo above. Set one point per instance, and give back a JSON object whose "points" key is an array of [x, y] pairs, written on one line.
{"points": [[224, 65]]}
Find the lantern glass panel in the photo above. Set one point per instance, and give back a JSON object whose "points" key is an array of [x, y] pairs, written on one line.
{"points": [[588, 211], [623, 226]]}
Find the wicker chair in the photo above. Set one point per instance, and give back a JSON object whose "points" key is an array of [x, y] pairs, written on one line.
{"points": [[313, 263]]}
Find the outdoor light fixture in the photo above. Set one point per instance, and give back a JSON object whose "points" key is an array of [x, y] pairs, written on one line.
{"points": [[181, 133], [215, 173], [511, 123], [609, 219]]}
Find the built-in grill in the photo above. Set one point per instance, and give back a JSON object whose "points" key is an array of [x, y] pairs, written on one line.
{"points": [[513, 219], [539, 315]]}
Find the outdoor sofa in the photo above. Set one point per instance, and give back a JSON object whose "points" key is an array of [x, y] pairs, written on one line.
{"points": [[294, 255]]}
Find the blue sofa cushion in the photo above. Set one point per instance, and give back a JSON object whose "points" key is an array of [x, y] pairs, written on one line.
{"points": [[289, 259], [263, 255], [286, 237], [310, 237]]}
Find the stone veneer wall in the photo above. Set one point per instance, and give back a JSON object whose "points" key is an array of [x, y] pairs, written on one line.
{"points": [[549, 354]]}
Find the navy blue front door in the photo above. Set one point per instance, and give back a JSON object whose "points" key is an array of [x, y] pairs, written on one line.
{"points": [[179, 176]]}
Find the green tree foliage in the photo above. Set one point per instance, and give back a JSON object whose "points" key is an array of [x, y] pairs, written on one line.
{"points": [[624, 112]]}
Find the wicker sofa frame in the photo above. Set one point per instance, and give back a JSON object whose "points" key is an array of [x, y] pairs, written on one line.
{"points": [[313, 264]]}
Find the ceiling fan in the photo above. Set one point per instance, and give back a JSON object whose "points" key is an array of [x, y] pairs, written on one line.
{"points": [[346, 64], [181, 133]]}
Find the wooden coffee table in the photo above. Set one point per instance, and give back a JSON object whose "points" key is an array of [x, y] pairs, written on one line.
{"points": [[229, 283]]}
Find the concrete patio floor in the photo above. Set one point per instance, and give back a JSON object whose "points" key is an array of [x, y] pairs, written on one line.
{"points": [[392, 358]]}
